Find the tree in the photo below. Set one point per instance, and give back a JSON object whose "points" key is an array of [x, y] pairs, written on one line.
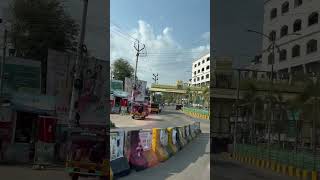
{"points": [[122, 69], [39, 25], [205, 95]]}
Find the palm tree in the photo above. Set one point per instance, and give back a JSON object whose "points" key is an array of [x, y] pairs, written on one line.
{"points": [[205, 95]]}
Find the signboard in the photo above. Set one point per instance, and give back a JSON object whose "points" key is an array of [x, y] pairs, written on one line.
{"points": [[116, 85], [174, 136], [116, 145], [21, 75], [44, 153], [163, 137], [33, 102], [145, 139], [92, 100], [140, 93]]}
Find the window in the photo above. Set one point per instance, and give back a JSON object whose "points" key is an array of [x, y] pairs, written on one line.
{"points": [[296, 51], [273, 35], [208, 58], [270, 58], [283, 55], [195, 72], [297, 3], [198, 63], [208, 67], [202, 69], [312, 46], [284, 31], [207, 76], [202, 61], [285, 7], [194, 80], [195, 65], [273, 13], [199, 71], [202, 77], [297, 25], [313, 19], [198, 78]]}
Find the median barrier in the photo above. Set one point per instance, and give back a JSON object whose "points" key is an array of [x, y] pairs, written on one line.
{"points": [[134, 151], [111, 174], [145, 137], [187, 133], [159, 144], [181, 137], [118, 162], [172, 139]]}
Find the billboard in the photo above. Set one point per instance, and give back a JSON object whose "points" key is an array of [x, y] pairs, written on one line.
{"points": [[116, 85], [92, 97], [140, 93], [21, 75]]}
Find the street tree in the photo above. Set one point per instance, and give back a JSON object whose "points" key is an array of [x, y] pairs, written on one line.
{"points": [[122, 69]]}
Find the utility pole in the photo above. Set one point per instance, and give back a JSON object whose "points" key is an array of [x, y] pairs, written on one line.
{"points": [[77, 81], [3, 61], [138, 49], [155, 78]]}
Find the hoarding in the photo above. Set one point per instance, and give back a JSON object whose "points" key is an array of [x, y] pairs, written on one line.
{"points": [[21, 75], [145, 139], [92, 99], [140, 93], [116, 145]]}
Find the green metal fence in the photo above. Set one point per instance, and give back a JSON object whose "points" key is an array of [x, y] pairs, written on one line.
{"points": [[301, 159], [194, 110]]}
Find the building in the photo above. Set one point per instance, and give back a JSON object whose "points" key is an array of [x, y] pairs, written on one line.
{"points": [[201, 71], [294, 24]]}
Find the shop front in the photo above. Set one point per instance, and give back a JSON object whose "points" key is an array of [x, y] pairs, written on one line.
{"points": [[29, 126], [119, 101]]}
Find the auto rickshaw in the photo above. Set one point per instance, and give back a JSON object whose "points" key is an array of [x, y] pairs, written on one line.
{"points": [[139, 111], [87, 154]]}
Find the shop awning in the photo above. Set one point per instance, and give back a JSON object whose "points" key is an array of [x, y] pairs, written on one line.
{"points": [[39, 104], [121, 94]]}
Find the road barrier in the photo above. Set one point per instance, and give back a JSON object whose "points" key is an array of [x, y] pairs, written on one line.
{"points": [[160, 143], [291, 163], [135, 151], [196, 113], [145, 137], [118, 161], [145, 148], [172, 139]]}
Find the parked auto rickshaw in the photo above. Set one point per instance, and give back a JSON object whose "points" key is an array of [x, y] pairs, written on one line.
{"points": [[87, 154], [139, 111]]}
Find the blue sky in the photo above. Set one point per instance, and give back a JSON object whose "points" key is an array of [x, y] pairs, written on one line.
{"points": [[178, 30]]}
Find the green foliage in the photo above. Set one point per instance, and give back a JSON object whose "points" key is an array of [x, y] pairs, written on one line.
{"points": [[122, 69], [38, 25]]}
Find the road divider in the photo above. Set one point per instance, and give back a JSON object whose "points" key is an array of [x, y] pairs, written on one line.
{"points": [[145, 148], [196, 113], [118, 161]]}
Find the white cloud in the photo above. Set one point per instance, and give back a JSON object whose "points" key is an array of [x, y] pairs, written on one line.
{"points": [[165, 55]]}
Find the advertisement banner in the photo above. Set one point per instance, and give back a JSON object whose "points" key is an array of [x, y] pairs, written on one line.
{"points": [[21, 75], [44, 153], [174, 136], [164, 137], [92, 100], [116, 145], [140, 92], [145, 139]]}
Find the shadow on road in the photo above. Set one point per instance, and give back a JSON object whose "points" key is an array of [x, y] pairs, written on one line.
{"points": [[179, 163]]}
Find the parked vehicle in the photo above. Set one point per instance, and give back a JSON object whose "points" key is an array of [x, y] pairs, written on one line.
{"points": [[155, 107], [140, 111], [179, 106]]}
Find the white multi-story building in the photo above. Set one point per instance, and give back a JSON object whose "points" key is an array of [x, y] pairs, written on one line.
{"points": [[295, 26], [201, 71]]}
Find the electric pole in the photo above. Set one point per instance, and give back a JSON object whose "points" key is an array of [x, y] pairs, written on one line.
{"points": [[138, 49], [77, 81], [155, 78], [3, 60]]}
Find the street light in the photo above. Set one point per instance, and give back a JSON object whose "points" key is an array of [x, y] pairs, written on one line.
{"points": [[273, 45]]}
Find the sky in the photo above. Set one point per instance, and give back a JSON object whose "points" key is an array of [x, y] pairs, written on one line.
{"points": [[175, 32], [232, 18], [96, 28]]}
